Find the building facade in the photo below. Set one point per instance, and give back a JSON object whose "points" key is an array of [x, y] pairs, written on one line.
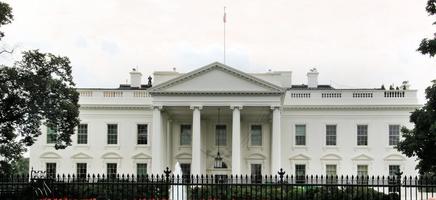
{"points": [[258, 123]]}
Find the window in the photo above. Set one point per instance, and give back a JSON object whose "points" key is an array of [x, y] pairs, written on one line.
{"points": [[186, 172], [330, 135], [112, 133], [394, 134], [142, 130], [185, 134], [393, 179], [362, 135], [50, 170], [81, 170], [51, 135], [256, 173], [141, 169], [82, 134], [300, 134], [220, 135], [300, 173], [111, 170], [362, 174], [256, 135], [331, 172], [393, 170]]}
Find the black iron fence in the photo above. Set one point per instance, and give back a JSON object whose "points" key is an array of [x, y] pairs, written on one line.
{"points": [[210, 187]]}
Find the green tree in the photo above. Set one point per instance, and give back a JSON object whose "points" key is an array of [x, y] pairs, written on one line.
{"points": [[37, 90], [421, 140], [428, 46], [6, 16]]}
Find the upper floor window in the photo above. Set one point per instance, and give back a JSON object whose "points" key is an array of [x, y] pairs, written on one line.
{"points": [[362, 135], [82, 134], [112, 134], [300, 134], [220, 135], [142, 131], [394, 134], [330, 135], [256, 135], [51, 135], [185, 134]]}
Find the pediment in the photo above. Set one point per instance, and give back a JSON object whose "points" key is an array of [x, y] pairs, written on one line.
{"points": [[111, 155], [50, 155], [183, 156], [394, 157], [141, 156], [362, 157], [331, 157], [81, 156], [256, 156], [216, 78], [299, 157]]}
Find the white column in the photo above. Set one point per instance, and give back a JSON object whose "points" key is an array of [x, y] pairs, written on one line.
{"points": [[157, 162], [236, 140], [275, 141], [196, 140]]}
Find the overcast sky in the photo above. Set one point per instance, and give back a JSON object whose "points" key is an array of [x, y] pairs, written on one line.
{"points": [[352, 43]]}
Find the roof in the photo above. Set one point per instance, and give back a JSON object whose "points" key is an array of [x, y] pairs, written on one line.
{"points": [[326, 87]]}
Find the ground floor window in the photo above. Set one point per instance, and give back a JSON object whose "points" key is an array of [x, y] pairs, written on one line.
{"points": [[256, 173], [81, 170], [50, 170], [186, 172], [362, 174], [393, 179], [141, 169], [111, 170], [331, 172], [300, 173]]}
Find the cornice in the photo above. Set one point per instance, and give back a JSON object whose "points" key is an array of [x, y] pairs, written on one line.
{"points": [[350, 107], [215, 93], [114, 107]]}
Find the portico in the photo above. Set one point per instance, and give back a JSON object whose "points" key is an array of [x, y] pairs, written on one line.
{"points": [[193, 100]]}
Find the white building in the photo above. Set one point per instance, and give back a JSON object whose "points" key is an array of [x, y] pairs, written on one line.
{"points": [[261, 122]]}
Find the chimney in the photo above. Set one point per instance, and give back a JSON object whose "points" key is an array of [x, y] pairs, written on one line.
{"points": [[312, 78], [135, 78]]}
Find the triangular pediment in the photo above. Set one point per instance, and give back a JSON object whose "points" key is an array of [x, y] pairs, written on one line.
{"points": [[362, 157], [256, 156], [216, 78]]}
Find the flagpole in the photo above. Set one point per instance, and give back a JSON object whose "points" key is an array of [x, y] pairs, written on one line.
{"points": [[224, 20]]}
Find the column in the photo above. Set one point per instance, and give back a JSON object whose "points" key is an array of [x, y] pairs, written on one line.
{"points": [[196, 140], [275, 141], [236, 140], [157, 162]]}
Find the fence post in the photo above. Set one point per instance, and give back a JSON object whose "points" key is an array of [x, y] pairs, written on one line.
{"points": [[281, 173], [167, 172], [398, 174]]}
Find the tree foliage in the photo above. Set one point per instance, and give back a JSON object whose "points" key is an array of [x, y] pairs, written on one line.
{"points": [[421, 140], [37, 90], [6, 16], [428, 45]]}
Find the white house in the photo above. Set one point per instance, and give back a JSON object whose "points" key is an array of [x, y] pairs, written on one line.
{"points": [[258, 122]]}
